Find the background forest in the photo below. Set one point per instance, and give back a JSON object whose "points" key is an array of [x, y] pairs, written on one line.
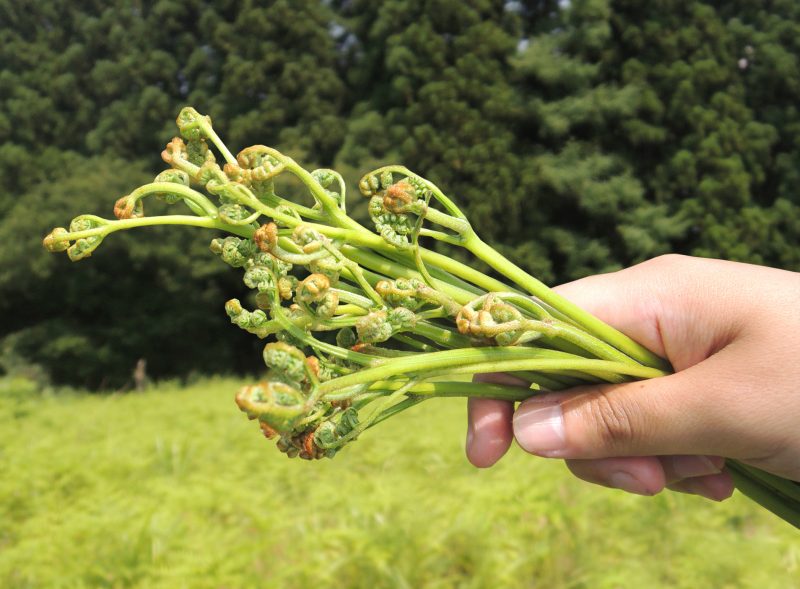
{"points": [[581, 136]]}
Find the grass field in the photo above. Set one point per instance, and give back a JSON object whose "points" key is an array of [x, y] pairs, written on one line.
{"points": [[174, 488]]}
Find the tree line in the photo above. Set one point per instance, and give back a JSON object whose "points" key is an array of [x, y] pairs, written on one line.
{"points": [[581, 136]]}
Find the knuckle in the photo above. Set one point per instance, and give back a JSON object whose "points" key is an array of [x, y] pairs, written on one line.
{"points": [[667, 261], [614, 422]]}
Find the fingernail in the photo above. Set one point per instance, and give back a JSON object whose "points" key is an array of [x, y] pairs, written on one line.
{"points": [[539, 428], [626, 482], [694, 466]]}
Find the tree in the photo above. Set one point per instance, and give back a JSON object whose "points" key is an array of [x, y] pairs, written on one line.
{"points": [[579, 136], [659, 94], [88, 93], [88, 323], [436, 95], [276, 82], [581, 193]]}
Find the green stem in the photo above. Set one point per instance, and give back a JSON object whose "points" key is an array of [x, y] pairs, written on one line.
{"points": [[609, 371], [311, 341], [383, 405], [406, 403], [186, 193], [328, 203], [441, 336], [350, 309], [501, 358], [583, 318], [463, 271], [356, 273], [110, 226], [460, 226], [594, 346], [353, 233], [440, 236], [525, 303], [787, 488], [480, 390], [208, 131], [448, 204], [387, 268], [274, 201], [414, 343], [551, 381], [764, 495]]}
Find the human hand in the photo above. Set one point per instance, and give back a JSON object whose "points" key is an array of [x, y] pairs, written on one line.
{"points": [[732, 334]]}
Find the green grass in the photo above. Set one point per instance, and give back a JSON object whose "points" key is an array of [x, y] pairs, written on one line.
{"points": [[174, 488]]}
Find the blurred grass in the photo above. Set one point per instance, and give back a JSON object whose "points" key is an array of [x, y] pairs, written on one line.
{"points": [[174, 488]]}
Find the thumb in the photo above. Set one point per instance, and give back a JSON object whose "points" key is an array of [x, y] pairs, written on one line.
{"points": [[675, 414]]}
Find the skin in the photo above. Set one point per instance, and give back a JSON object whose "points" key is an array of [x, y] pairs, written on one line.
{"points": [[732, 333]]}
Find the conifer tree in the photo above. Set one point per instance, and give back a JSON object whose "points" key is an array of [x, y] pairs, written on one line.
{"points": [[81, 79], [438, 98], [580, 136], [666, 95]]}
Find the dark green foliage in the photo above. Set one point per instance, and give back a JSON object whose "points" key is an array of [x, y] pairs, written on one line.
{"points": [[159, 298], [439, 98], [274, 64], [697, 133], [580, 137], [109, 78]]}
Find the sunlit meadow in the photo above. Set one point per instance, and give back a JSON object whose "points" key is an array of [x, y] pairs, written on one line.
{"points": [[174, 488]]}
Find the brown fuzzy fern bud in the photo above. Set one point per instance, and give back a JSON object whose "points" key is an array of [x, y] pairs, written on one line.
{"points": [[313, 288], [399, 197], [174, 152], [286, 286], [191, 123], [268, 432], [128, 208], [266, 237], [53, 244], [256, 165], [494, 319], [279, 405]]}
